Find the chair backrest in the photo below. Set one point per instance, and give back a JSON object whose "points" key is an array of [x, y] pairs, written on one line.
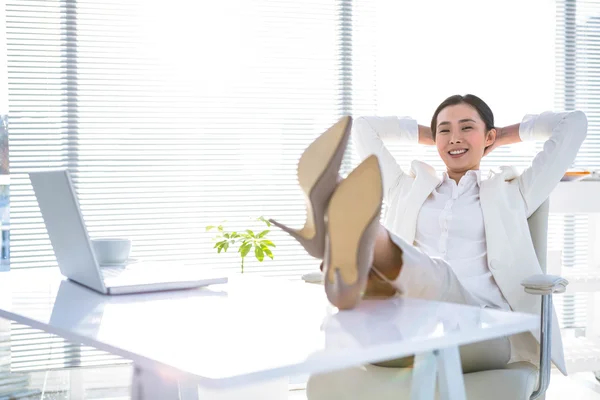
{"points": [[538, 229]]}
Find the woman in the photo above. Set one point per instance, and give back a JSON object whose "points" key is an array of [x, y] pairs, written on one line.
{"points": [[459, 237]]}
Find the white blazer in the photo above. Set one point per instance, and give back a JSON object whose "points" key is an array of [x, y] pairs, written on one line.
{"points": [[507, 200]]}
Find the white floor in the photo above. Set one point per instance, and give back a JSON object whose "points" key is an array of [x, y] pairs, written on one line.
{"points": [[112, 383]]}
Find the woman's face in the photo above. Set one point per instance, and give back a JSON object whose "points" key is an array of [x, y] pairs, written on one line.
{"points": [[461, 137]]}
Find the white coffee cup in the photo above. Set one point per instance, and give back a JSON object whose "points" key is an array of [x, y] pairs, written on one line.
{"points": [[111, 250]]}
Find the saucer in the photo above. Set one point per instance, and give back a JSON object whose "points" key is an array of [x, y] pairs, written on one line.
{"points": [[123, 264], [313, 277]]}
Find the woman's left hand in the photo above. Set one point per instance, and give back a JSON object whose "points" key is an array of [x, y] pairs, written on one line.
{"points": [[497, 143], [504, 136]]}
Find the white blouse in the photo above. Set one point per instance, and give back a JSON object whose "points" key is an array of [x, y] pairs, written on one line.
{"points": [[450, 226]]}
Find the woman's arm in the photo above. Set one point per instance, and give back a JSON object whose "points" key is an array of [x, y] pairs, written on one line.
{"points": [[370, 135], [504, 136], [564, 133], [508, 135]]}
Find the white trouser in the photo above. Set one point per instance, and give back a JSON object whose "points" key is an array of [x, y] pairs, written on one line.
{"points": [[423, 277], [428, 277], [432, 278]]}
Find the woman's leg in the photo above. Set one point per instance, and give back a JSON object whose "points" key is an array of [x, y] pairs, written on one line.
{"points": [[415, 274]]}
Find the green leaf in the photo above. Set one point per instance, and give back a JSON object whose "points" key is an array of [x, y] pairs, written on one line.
{"points": [[250, 233], [267, 242], [267, 251], [260, 255], [222, 246], [245, 249], [220, 227], [263, 233], [226, 235], [208, 228]]}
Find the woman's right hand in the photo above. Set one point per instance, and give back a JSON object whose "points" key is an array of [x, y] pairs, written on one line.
{"points": [[425, 136]]}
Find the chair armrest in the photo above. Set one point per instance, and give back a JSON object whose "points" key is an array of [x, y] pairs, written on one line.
{"points": [[545, 284]]}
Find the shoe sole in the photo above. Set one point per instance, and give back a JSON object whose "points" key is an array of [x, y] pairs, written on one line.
{"points": [[352, 208], [314, 163]]}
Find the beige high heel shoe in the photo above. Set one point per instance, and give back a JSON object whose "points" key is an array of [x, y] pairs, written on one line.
{"points": [[352, 225], [318, 175]]}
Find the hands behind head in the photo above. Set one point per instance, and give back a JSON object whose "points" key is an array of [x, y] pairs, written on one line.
{"points": [[491, 147], [497, 142]]}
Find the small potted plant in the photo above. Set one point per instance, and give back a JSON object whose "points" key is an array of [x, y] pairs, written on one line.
{"points": [[245, 241]]}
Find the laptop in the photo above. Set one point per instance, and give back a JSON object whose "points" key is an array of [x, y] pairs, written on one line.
{"points": [[73, 249]]}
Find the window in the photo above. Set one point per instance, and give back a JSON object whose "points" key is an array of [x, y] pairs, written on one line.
{"points": [[174, 118], [173, 121], [547, 60], [577, 70]]}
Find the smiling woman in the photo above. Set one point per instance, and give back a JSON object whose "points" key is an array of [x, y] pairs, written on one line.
{"points": [[457, 234], [463, 130]]}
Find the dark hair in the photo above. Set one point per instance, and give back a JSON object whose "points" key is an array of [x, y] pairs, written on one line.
{"points": [[484, 111]]}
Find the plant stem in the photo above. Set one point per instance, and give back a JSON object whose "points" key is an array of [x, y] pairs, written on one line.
{"points": [[242, 265]]}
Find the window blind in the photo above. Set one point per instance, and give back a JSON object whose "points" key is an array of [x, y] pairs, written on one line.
{"points": [[174, 118], [516, 71], [577, 74], [171, 119]]}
